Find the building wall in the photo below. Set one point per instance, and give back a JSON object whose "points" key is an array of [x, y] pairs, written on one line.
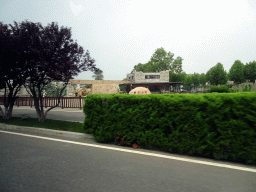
{"points": [[104, 88], [100, 86], [139, 77]]}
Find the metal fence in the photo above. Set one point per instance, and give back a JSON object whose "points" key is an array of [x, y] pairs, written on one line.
{"points": [[65, 102]]}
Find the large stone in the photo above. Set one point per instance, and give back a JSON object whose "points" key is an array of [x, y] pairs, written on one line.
{"points": [[82, 92], [140, 91]]}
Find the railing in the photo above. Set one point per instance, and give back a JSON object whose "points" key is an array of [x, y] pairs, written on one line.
{"points": [[65, 102]]}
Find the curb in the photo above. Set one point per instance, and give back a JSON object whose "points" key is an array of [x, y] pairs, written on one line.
{"points": [[49, 132]]}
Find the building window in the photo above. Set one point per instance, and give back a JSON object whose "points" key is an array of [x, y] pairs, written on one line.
{"points": [[152, 76]]}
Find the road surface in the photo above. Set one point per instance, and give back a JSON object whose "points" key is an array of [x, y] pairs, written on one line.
{"points": [[31, 163]]}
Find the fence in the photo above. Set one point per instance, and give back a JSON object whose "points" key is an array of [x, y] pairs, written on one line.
{"points": [[65, 102]]}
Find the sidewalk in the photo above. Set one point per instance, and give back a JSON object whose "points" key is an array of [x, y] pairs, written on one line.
{"points": [[54, 109]]}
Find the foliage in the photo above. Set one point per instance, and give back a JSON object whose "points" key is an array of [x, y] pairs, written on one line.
{"points": [[216, 75], [173, 77], [13, 65], [196, 80], [188, 82], [88, 86], [220, 89], [202, 79], [48, 54], [123, 87], [98, 75], [52, 90], [250, 71], [236, 72], [161, 61]]}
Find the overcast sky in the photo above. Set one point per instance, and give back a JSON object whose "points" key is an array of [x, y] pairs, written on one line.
{"points": [[122, 33]]}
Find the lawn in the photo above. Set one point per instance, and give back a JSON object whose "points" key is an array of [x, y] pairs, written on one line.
{"points": [[48, 124]]}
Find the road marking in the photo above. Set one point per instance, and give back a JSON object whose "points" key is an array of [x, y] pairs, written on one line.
{"points": [[138, 152]]}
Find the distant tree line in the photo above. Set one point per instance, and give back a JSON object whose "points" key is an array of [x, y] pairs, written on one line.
{"points": [[161, 61]]}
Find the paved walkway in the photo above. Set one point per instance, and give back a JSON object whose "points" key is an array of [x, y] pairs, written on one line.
{"points": [[57, 108]]}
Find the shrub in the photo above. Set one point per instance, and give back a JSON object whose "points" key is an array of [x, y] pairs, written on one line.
{"points": [[221, 89]]}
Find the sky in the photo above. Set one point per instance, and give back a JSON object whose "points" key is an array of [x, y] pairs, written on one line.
{"points": [[122, 33]]}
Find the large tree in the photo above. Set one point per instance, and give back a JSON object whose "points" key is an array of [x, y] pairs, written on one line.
{"points": [[51, 56], [13, 66], [236, 72], [161, 61], [98, 75], [216, 75], [148, 67], [250, 71]]}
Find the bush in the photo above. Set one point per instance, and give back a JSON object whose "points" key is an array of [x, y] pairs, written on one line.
{"points": [[221, 89], [229, 85], [233, 91]]}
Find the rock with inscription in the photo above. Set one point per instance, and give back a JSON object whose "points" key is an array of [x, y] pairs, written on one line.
{"points": [[140, 91]]}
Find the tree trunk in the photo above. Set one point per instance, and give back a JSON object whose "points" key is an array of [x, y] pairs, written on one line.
{"points": [[8, 105]]}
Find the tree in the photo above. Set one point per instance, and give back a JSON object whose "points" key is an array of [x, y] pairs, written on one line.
{"points": [[177, 65], [173, 77], [250, 71], [236, 72], [188, 82], [202, 80], [51, 56], [53, 90], [148, 67], [216, 75], [161, 61], [195, 80], [13, 66], [98, 75]]}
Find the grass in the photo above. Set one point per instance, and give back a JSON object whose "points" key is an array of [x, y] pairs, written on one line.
{"points": [[47, 124]]}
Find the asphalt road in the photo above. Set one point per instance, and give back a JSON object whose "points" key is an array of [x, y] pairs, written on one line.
{"points": [[72, 114], [36, 162], [30, 163]]}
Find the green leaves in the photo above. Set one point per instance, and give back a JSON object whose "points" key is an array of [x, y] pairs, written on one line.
{"points": [[236, 73], [250, 71], [98, 75], [53, 89], [161, 61], [216, 75]]}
